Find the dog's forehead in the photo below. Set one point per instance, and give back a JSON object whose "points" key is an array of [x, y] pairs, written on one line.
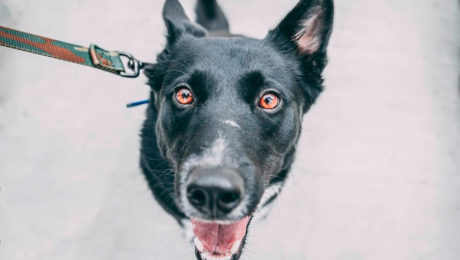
{"points": [[229, 54]]}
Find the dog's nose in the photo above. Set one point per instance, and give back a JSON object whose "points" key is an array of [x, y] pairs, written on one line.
{"points": [[215, 192]]}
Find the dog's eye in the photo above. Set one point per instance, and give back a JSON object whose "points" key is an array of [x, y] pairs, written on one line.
{"points": [[269, 101], [184, 96]]}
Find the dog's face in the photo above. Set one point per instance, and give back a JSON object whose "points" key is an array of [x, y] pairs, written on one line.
{"points": [[225, 118]]}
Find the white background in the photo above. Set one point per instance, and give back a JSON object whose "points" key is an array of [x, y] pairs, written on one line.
{"points": [[377, 173]]}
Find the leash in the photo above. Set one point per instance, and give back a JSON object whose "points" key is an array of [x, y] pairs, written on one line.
{"points": [[94, 56]]}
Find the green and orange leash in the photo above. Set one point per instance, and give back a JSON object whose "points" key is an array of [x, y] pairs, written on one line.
{"points": [[117, 62]]}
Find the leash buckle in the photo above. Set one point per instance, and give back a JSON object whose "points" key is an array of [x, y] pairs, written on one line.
{"points": [[133, 64], [119, 62]]}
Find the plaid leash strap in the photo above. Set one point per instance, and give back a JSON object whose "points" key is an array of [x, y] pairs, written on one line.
{"points": [[93, 56]]}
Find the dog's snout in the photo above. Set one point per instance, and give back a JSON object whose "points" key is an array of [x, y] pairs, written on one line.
{"points": [[215, 192]]}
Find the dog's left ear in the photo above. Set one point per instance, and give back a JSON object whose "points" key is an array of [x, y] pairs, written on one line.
{"points": [[177, 22], [308, 26], [304, 35]]}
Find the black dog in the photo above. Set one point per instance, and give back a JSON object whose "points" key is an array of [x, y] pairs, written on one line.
{"points": [[225, 117]]}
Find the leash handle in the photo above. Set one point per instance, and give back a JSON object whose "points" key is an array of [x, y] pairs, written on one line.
{"points": [[94, 56]]}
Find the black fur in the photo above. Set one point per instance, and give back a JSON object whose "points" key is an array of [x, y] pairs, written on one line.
{"points": [[210, 16], [227, 77]]}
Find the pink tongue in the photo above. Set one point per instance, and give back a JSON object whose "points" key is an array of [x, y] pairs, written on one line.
{"points": [[218, 238]]}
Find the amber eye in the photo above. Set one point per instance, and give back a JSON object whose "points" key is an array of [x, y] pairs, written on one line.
{"points": [[269, 101], [184, 96]]}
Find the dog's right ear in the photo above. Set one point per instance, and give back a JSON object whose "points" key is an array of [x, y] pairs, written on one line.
{"points": [[178, 23]]}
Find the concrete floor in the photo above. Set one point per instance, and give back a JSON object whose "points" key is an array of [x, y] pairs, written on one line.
{"points": [[377, 173]]}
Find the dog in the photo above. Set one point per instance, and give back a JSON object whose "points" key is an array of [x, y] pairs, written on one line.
{"points": [[225, 117]]}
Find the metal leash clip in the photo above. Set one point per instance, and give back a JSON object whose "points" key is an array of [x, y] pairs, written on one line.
{"points": [[134, 65], [118, 62]]}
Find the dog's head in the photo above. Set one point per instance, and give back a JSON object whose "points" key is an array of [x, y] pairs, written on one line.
{"points": [[225, 117]]}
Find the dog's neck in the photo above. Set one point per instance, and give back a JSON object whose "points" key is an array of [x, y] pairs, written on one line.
{"points": [[156, 169]]}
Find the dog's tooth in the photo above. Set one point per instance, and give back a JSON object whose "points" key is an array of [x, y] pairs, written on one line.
{"points": [[235, 247], [210, 257], [198, 244]]}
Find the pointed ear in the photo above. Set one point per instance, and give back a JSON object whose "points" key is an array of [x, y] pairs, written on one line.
{"points": [[178, 23], [304, 35], [307, 27]]}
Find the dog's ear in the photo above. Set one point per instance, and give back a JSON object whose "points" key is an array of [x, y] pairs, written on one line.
{"points": [[308, 26], [178, 23], [304, 33]]}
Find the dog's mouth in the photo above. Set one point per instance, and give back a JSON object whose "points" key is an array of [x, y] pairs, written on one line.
{"points": [[215, 241]]}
